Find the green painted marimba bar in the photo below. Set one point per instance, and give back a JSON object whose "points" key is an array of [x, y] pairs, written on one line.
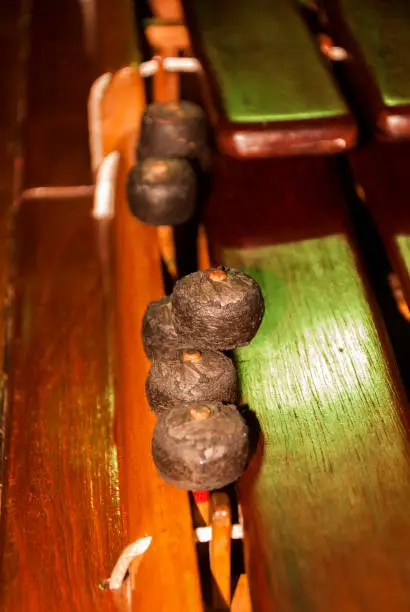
{"points": [[324, 499], [269, 90], [376, 35]]}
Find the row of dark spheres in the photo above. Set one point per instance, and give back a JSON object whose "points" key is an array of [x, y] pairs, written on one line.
{"points": [[162, 186], [200, 440]]}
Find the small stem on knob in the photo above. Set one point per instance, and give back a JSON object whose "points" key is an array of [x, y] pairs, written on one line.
{"points": [[217, 276], [192, 356], [198, 413]]}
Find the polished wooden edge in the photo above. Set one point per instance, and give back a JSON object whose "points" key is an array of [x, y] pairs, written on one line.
{"points": [[287, 139], [11, 42], [62, 477]]}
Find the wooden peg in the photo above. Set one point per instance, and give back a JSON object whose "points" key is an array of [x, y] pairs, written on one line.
{"points": [[204, 261], [164, 36], [220, 551], [166, 88], [241, 601], [171, 10]]}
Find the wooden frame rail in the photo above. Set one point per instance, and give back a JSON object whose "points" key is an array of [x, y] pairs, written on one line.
{"points": [[152, 507]]}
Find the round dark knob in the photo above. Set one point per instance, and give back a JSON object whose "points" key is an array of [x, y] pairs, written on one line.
{"points": [[174, 129], [217, 308], [159, 337], [194, 376], [200, 447], [162, 191]]}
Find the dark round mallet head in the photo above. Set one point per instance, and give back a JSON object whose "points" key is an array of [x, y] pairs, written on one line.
{"points": [[159, 337], [162, 191], [174, 129], [200, 447], [193, 376], [217, 308]]}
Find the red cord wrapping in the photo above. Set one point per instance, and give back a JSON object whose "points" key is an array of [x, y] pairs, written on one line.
{"points": [[201, 496]]}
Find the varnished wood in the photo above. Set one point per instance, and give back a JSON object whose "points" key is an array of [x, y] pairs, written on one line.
{"points": [[241, 601], [167, 9], [166, 89], [204, 261], [235, 218], [57, 94], [166, 84], [324, 499], [375, 35], [220, 551], [120, 117], [62, 528], [166, 41], [167, 577], [71, 44], [162, 36], [262, 78], [116, 38], [11, 39]]}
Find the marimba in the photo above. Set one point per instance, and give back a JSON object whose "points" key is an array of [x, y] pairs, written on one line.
{"points": [[309, 109]]}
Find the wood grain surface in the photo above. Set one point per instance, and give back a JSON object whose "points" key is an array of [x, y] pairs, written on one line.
{"points": [[60, 74], [116, 36], [261, 76], [62, 529], [167, 577], [324, 498], [11, 37]]}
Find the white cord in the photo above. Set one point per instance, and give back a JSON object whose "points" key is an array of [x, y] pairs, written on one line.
{"points": [[131, 552], [105, 188], [146, 69], [94, 119], [140, 546], [58, 193], [169, 64], [204, 534]]}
